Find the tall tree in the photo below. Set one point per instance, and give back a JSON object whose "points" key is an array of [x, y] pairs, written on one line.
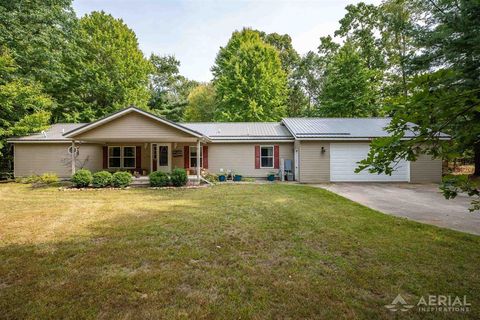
{"points": [[347, 90], [297, 101], [40, 36], [113, 73], [445, 97], [249, 80], [24, 107], [202, 102], [169, 89]]}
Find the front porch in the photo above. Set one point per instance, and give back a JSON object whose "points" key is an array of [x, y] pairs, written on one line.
{"points": [[142, 158]]}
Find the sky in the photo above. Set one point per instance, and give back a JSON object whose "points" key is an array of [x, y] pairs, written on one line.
{"points": [[194, 30]]}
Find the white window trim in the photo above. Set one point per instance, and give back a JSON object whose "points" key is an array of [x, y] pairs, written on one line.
{"points": [[122, 156], [190, 156], [273, 156]]}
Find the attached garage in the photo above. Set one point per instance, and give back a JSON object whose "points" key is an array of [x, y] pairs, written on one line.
{"points": [[344, 158]]}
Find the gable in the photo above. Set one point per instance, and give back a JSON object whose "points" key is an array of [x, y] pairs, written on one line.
{"points": [[134, 126]]}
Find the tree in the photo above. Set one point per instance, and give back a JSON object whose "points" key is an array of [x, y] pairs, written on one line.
{"points": [[24, 108], [359, 26], [297, 102], [249, 80], [397, 18], [202, 103], [40, 36], [113, 73], [169, 89], [347, 90], [444, 97]]}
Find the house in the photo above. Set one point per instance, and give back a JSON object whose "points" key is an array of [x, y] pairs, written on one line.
{"points": [[320, 149]]}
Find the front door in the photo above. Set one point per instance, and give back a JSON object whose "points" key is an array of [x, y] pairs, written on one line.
{"points": [[164, 156]]}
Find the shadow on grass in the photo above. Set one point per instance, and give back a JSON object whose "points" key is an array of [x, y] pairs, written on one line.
{"points": [[290, 253]]}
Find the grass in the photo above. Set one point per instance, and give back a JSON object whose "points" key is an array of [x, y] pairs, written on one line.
{"points": [[229, 251]]}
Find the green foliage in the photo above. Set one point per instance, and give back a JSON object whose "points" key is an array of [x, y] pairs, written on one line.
{"points": [[348, 90], [178, 177], [82, 178], [453, 185], [48, 178], [121, 179], [169, 90], [249, 80], [202, 102], [159, 179], [113, 72], [101, 179]]}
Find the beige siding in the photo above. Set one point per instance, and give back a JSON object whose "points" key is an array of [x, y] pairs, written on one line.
{"points": [[40, 158], [240, 157], [314, 165], [426, 169], [135, 127]]}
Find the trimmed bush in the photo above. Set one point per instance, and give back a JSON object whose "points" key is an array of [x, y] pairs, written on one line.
{"points": [[82, 178], [121, 179], [48, 178], [159, 179], [179, 177], [102, 179]]}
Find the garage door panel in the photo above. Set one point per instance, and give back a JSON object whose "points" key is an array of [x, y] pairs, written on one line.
{"points": [[344, 158]]}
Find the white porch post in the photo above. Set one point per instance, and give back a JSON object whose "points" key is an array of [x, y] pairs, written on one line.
{"points": [[198, 160], [73, 157]]}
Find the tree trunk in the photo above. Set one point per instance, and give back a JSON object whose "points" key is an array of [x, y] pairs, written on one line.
{"points": [[476, 150]]}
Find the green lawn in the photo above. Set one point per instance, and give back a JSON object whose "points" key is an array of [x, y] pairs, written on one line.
{"points": [[230, 251]]}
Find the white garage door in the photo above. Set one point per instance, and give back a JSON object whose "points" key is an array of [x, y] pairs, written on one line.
{"points": [[343, 162]]}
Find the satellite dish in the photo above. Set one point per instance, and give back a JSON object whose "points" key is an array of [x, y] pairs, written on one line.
{"points": [[72, 150]]}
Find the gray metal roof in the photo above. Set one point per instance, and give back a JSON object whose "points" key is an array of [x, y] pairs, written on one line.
{"points": [[241, 130], [54, 133], [340, 128]]}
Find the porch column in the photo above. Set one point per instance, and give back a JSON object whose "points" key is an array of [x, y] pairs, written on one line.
{"points": [[198, 160], [73, 157]]}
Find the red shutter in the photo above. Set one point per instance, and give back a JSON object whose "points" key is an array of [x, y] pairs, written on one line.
{"points": [[105, 157], [205, 157], [154, 150], [138, 157], [186, 160], [257, 157], [276, 160]]}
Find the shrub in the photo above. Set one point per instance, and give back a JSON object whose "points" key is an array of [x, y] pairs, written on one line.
{"points": [[211, 177], [179, 177], [82, 178], [159, 179], [102, 179], [48, 178], [29, 179], [121, 179]]}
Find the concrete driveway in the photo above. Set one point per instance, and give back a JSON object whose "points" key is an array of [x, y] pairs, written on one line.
{"points": [[419, 202]]}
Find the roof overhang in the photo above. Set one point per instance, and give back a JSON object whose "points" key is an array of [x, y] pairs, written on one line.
{"points": [[118, 114]]}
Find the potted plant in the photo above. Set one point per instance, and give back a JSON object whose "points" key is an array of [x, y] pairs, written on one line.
{"points": [[237, 177], [271, 176], [222, 177]]}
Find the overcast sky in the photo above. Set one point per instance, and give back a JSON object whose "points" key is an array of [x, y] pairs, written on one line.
{"points": [[193, 31]]}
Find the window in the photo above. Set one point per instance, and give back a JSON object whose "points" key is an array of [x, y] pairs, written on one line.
{"points": [[114, 157], [193, 157], [128, 157], [121, 157], [163, 156], [266, 157]]}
